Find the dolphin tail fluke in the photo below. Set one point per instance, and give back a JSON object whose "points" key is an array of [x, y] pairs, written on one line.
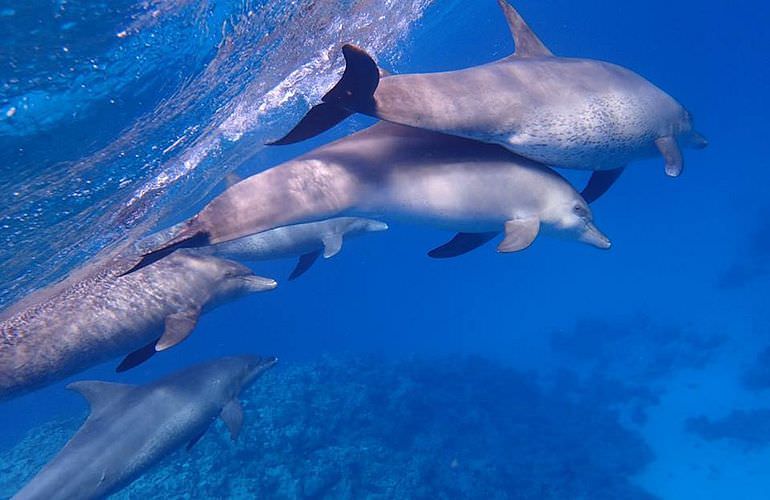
{"points": [[319, 119], [599, 183], [304, 264], [137, 357], [461, 244], [354, 93], [195, 240]]}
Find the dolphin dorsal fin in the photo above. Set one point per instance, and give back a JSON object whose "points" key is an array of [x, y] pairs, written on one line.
{"points": [[526, 41], [100, 394]]}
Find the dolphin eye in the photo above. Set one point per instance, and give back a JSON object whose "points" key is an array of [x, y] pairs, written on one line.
{"points": [[579, 209]]}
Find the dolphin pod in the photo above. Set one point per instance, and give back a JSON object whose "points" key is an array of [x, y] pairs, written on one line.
{"points": [[468, 151], [306, 241], [131, 428], [409, 174], [565, 112], [103, 316]]}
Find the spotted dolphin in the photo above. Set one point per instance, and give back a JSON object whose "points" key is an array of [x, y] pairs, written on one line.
{"points": [[564, 112], [102, 315], [131, 428], [415, 175], [307, 241]]}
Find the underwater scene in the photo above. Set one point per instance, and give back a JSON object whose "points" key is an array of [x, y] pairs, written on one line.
{"points": [[385, 249]]}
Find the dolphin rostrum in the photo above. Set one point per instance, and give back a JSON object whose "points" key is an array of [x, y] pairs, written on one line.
{"points": [[307, 241], [131, 428], [103, 315], [565, 112], [411, 174]]}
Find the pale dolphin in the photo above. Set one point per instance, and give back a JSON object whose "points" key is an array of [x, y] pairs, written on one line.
{"points": [[102, 315], [564, 112], [306, 241], [410, 174], [131, 428]]}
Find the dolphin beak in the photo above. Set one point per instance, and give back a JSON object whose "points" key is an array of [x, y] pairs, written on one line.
{"points": [[698, 141], [258, 283], [260, 366], [376, 226], [594, 237]]}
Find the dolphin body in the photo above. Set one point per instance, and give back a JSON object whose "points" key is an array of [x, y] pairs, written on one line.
{"points": [[103, 315], [306, 241], [131, 428], [565, 112], [411, 174]]}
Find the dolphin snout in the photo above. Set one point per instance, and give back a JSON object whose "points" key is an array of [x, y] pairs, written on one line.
{"points": [[594, 237], [697, 140], [258, 283], [257, 366], [376, 226]]}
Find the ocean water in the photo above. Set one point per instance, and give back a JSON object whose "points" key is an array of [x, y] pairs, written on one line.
{"points": [[558, 372]]}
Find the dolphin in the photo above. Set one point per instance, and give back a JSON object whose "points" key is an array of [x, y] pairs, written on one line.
{"points": [[103, 315], [306, 241], [415, 175], [131, 428], [565, 112]]}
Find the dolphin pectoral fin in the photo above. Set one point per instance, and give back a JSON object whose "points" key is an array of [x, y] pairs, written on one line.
{"points": [[332, 244], [98, 393], [519, 234], [232, 416], [461, 244], [137, 357], [669, 148], [178, 327], [526, 42], [319, 119], [305, 262], [599, 183]]}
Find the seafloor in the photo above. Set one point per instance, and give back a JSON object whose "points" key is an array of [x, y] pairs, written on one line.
{"points": [[460, 427]]}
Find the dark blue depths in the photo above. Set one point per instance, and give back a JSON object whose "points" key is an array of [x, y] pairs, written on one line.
{"points": [[560, 372]]}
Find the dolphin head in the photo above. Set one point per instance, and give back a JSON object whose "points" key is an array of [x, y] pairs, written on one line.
{"points": [[685, 131], [227, 377], [255, 367], [358, 225], [235, 280], [574, 219]]}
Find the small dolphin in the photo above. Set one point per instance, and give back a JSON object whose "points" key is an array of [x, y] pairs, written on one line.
{"points": [[131, 428], [306, 241], [574, 113], [102, 316], [412, 174]]}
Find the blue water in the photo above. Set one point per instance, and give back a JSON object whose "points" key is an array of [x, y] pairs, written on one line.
{"points": [[559, 372]]}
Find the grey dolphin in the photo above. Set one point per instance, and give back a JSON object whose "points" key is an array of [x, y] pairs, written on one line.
{"points": [[410, 174], [131, 428], [101, 316], [306, 241], [565, 112]]}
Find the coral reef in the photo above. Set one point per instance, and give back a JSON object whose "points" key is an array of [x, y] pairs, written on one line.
{"points": [[635, 348], [626, 363], [749, 429], [367, 428]]}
